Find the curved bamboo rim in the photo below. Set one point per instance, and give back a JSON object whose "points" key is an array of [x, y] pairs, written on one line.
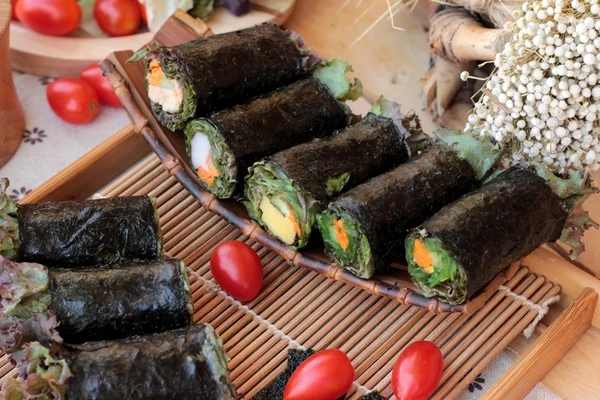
{"points": [[128, 83]]}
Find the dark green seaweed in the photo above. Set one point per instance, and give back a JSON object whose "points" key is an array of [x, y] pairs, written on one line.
{"points": [[387, 206], [113, 302], [274, 390], [372, 396], [297, 113], [366, 149], [85, 233], [228, 68], [184, 364], [498, 224]]}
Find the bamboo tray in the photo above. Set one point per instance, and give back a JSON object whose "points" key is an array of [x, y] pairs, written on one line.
{"points": [[68, 56], [301, 308], [128, 81]]}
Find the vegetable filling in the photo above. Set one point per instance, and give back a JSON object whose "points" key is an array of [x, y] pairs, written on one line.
{"points": [[280, 205], [163, 91], [211, 158], [434, 270], [346, 241]]}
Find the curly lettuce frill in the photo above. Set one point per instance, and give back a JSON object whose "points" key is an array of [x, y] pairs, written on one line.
{"points": [[42, 376], [574, 191], [23, 290], [332, 73], [9, 225]]}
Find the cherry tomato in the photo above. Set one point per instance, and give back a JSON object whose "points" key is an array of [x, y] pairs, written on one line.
{"points": [[93, 76], [117, 17], [13, 4], [72, 100], [326, 375], [417, 371], [237, 269], [50, 17], [143, 13]]}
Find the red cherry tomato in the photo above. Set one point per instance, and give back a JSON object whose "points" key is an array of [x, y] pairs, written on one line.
{"points": [[326, 375], [417, 371], [117, 17], [72, 100], [93, 76], [50, 17], [237, 269], [13, 4], [143, 12]]}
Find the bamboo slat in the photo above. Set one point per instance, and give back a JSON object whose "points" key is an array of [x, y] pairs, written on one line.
{"points": [[299, 308]]}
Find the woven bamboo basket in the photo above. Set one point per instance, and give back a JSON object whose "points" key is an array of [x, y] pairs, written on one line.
{"points": [[129, 84]]}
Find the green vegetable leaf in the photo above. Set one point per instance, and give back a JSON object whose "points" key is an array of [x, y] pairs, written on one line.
{"points": [[332, 73], [41, 327], [42, 376], [577, 223], [408, 124], [23, 289], [483, 155], [202, 8], [9, 225], [336, 185], [576, 184]]}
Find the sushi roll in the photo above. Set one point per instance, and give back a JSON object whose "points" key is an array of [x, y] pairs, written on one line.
{"points": [[223, 146], [97, 304], [364, 229], [182, 364], [460, 249], [208, 74], [80, 233], [286, 191]]}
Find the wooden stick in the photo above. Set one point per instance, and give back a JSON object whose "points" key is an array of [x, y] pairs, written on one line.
{"points": [[547, 350]]}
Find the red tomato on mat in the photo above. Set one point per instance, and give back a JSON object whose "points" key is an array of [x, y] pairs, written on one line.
{"points": [[117, 17], [326, 375], [417, 372], [49, 17], [93, 76], [72, 100], [237, 269]]}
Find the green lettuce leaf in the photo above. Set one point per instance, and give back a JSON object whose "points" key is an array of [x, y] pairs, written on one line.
{"points": [[202, 8], [23, 290], [9, 225], [42, 376], [332, 73]]}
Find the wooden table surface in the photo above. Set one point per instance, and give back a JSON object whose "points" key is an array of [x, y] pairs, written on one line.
{"points": [[391, 62]]}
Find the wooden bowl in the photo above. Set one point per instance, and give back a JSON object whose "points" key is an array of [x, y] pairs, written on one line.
{"points": [[129, 84], [12, 121], [68, 56]]}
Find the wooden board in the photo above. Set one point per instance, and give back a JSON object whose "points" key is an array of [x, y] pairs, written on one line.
{"points": [[68, 56], [298, 307]]}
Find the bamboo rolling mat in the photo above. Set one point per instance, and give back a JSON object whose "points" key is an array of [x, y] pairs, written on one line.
{"points": [[298, 308]]}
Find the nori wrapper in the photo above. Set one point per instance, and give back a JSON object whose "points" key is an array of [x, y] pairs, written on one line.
{"points": [[489, 229], [361, 151], [274, 390], [297, 113], [228, 68], [84, 233], [307, 176], [183, 364], [387, 206], [118, 301], [372, 396]]}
